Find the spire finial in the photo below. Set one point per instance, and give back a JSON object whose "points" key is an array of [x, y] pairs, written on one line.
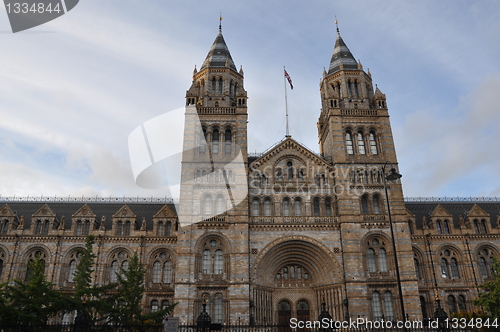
{"points": [[337, 24], [220, 22]]}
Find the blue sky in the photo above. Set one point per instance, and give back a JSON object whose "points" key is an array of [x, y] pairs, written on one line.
{"points": [[72, 90]]}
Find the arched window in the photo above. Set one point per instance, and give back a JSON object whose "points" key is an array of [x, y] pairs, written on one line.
{"points": [[388, 306], [126, 230], [220, 205], [476, 227], [79, 228], [213, 257], [417, 268], [228, 137], [376, 204], [86, 229], [348, 142], [167, 272], [279, 174], [219, 262], [483, 226], [446, 227], [462, 306], [486, 262], [370, 257], [365, 209], [376, 306], [445, 272], [218, 308], [114, 271], [438, 227], [168, 230], [119, 228], [71, 271], [207, 205], [316, 211], [423, 305], [286, 206], [161, 229], [206, 262], [267, 207], [156, 272], [4, 227], [154, 306], [215, 141], [328, 206], [298, 207], [382, 260], [452, 304], [255, 207], [373, 143], [165, 304], [203, 141], [289, 170], [361, 143], [454, 268]]}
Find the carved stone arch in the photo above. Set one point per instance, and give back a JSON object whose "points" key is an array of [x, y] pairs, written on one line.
{"points": [[488, 245], [67, 253], [157, 249], [33, 248], [310, 253], [450, 246], [5, 252], [291, 157], [207, 236], [114, 250], [422, 260]]}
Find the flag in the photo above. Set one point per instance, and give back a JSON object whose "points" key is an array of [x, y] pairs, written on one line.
{"points": [[289, 79]]}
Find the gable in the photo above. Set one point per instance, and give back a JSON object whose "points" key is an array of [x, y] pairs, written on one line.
{"points": [[6, 211], [124, 212], [440, 211], [44, 211], [84, 212], [165, 212], [476, 211]]}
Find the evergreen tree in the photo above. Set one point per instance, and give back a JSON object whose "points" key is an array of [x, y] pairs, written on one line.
{"points": [[98, 300], [128, 308], [34, 301], [490, 299]]}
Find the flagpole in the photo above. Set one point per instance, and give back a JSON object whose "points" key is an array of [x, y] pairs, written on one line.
{"points": [[286, 104]]}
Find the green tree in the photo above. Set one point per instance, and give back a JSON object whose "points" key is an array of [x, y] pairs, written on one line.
{"points": [[490, 298], [98, 300], [34, 301], [128, 308]]}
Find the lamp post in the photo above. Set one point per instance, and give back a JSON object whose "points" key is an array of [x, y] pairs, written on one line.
{"points": [[392, 177]]}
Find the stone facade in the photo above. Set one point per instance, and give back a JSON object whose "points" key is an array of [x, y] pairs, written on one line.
{"points": [[291, 231]]}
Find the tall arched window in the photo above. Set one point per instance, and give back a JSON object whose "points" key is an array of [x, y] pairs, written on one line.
{"points": [[207, 205], [161, 229], [438, 227], [373, 143], [328, 206], [445, 271], [267, 207], [348, 142], [365, 209], [114, 271], [298, 207], [486, 262], [423, 305], [482, 267], [156, 272], [476, 227], [79, 228], [119, 228], [167, 272], [86, 229], [286, 206], [218, 308], [446, 227], [454, 268], [483, 227], [316, 209], [361, 143], [255, 207], [382, 260], [289, 170], [71, 270], [370, 257], [219, 262], [215, 141], [376, 204], [220, 205], [206, 262], [376, 306], [417, 268], [452, 304], [4, 227], [462, 306], [127, 228], [228, 137], [388, 306]]}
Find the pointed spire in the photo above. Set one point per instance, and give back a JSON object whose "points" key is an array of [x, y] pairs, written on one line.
{"points": [[195, 70], [241, 70], [342, 58], [219, 55]]}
